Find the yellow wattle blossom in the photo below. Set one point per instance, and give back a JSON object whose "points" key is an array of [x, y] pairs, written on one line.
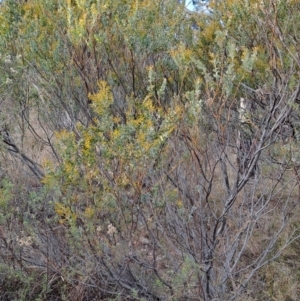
{"points": [[103, 99], [89, 212], [116, 133], [87, 143], [148, 104], [65, 213], [68, 168], [141, 137], [138, 121], [116, 119]]}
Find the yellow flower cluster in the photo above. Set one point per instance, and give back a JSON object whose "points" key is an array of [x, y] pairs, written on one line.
{"points": [[103, 99], [65, 213]]}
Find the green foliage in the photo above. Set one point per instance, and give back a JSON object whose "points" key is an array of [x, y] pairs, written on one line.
{"points": [[137, 106], [6, 194], [109, 154]]}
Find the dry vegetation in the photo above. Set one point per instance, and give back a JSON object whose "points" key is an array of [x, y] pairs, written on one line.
{"points": [[148, 153]]}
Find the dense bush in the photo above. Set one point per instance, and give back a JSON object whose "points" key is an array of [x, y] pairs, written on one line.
{"points": [[149, 152]]}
